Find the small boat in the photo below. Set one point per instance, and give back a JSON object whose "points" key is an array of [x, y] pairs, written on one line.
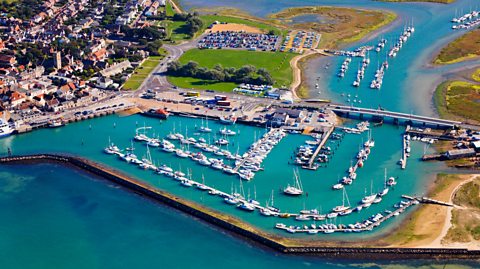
{"points": [[391, 181], [231, 200], [246, 206], [56, 123], [302, 217], [186, 183], [337, 186], [226, 131]]}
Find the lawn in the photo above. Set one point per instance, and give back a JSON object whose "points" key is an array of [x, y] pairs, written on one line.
{"points": [[278, 64], [169, 9], [141, 73]]}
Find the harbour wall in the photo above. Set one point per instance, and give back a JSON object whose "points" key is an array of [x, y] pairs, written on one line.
{"points": [[218, 219]]}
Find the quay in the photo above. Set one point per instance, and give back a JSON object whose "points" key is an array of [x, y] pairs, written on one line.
{"points": [[325, 137], [238, 227], [403, 162], [426, 200]]}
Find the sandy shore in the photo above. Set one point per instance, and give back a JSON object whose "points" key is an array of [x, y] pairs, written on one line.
{"points": [[428, 225], [436, 220]]}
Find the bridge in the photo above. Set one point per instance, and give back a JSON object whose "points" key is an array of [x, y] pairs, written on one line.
{"points": [[396, 116]]}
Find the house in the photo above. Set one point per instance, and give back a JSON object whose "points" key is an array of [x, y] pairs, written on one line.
{"points": [[116, 69], [103, 82], [7, 59], [99, 55], [278, 119], [298, 115], [476, 146], [16, 98]]}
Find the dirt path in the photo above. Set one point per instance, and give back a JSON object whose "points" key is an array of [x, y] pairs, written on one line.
{"points": [[437, 242], [297, 71], [175, 7]]}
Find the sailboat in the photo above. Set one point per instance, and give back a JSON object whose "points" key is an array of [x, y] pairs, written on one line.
{"points": [[385, 188], [147, 161], [205, 129], [370, 198], [111, 148], [272, 207], [296, 189], [202, 186], [342, 207], [254, 200]]}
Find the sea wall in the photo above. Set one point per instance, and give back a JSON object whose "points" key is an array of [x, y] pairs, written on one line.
{"points": [[216, 218]]}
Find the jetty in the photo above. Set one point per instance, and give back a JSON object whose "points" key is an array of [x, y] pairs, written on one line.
{"points": [[426, 200], [403, 162], [324, 140]]}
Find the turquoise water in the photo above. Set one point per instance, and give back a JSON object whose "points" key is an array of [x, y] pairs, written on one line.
{"points": [[54, 217], [410, 80], [88, 138]]}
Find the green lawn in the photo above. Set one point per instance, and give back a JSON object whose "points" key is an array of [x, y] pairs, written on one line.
{"points": [[141, 73], [169, 9], [277, 63]]}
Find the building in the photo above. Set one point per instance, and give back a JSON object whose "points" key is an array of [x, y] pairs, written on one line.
{"points": [[476, 146], [460, 153], [116, 69], [57, 60]]}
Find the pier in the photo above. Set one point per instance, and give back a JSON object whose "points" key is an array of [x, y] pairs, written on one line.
{"points": [[253, 150], [324, 140], [426, 200], [238, 227], [403, 163]]}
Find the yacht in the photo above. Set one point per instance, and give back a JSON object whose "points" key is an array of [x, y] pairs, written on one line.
{"points": [[5, 129], [226, 131], [296, 189], [231, 200], [247, 206]]}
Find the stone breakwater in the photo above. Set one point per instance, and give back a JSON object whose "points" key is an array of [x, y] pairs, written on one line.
{"points": [[272, 241]]}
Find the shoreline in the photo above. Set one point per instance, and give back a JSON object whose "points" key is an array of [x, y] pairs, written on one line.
{"points": [[437, 242], [240, 228]]}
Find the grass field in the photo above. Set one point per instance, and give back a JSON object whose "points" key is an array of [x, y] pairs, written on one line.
{"points": [[458, 100], [278, 64], [141, 73], [461, 49], [466, 220]]}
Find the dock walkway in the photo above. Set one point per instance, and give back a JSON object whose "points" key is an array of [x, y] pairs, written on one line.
{"points": [[325, 137]]}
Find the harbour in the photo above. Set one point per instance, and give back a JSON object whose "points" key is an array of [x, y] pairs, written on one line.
{"points": [[228, 172], [264, 239]]}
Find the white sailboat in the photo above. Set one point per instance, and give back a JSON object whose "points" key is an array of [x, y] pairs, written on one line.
{"points": [[296, 189], [370, 198], [385, 188], [342, 207]]}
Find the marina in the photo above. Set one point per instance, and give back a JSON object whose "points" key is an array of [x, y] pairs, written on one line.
{"points": [[227, 168]]}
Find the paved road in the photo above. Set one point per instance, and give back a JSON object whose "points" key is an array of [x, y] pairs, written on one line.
{"points": [[157, 78]]}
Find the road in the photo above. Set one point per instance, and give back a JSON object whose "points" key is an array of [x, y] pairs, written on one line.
{"points": [[157, 78]]}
